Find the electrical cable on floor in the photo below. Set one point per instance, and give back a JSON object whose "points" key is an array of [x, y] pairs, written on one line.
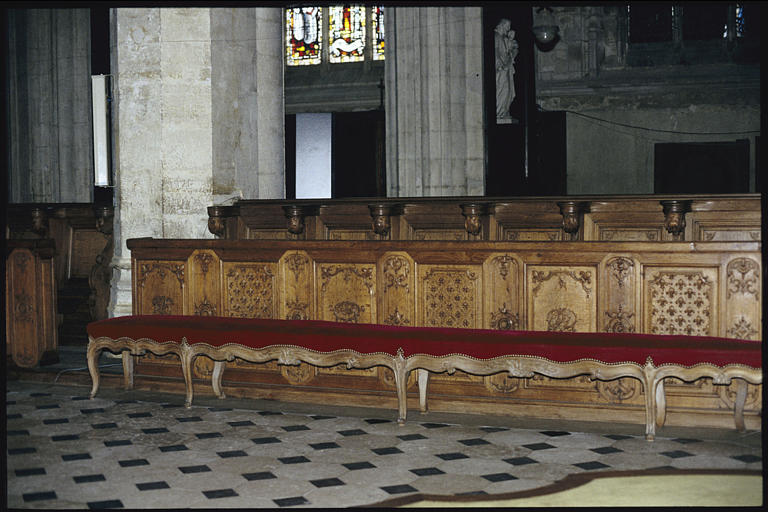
{"points": [[83, 368]]}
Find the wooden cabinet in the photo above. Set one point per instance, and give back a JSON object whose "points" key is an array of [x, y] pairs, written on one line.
{"points": [[30, 302]]}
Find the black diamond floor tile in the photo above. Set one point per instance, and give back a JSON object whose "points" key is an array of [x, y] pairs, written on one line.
{"points": [[75, 456], [220, 493], [322, 417], [104, 425], [591, 465], [555, 433], [231, 453], [118, 442], [261, 475], [747, 458], [92, 411], [188, 419], [398, 489], [18, 432], [194, 469], [434, 425], [153, 486], [427, 471], [219, 409], [499, 477], [291, 502], [47, 406], [29, 471], [605, 450], [683, 440], [324, 446], [295, 428], [473, 442], [22, 451], [170, 406], [66, 437], [490, 430], [389, 450], [617, 437], [39, 496], [452, 456], [293, 460], [39, 394], [155, 430], [97, 505], [327, 482], [352, 432], [266, 440], [244, 423], [411, 437], [358, 465], [472, 493], [377, 421], [173, 448], [538, 446], [520, 461], [130, 463], [14, 416], [55, 421], [208, 435], [139, 414], [270, 413], [84, 479]]}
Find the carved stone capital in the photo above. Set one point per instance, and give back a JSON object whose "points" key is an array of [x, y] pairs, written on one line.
{"points": [[472, 213], [674, 216], [572, 212]]}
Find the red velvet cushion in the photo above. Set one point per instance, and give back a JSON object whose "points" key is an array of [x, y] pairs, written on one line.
{"points": [[479, 343]]}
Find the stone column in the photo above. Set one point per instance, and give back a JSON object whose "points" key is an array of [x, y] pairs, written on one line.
{"points": [[49, 103], [190, 123], [434, 101], [248, 121]]}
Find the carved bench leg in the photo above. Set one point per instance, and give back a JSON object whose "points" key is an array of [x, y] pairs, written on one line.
{"points": [[127, 370], [187, 356], [93, 354], [401, 379], [738, 406], [661, 404], [423, 382], [218, 372], [650, 384]]}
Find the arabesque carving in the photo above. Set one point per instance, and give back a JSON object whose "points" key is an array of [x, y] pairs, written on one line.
{"points": [[364, 273], [161, 305], [561, 320], [24, 307], [204, 259], [296, 263], [503, 263], [298, 374], [583, 277], [396, 318], [162, 270], [620, 268], [297, 310], [619, 390], [743, 277], [619, 321], [347, 311], [205, 308], [742, 330], [396, 271]]}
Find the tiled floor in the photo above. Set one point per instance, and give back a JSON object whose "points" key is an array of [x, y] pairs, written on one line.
{"points": [[144, 450]]}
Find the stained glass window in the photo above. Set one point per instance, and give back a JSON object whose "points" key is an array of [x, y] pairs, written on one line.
{"points": [[377, 22], [303, 34], [346, 33]]}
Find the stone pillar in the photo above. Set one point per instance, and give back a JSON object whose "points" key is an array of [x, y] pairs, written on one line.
{"points": [[434, 101], [49, 105], [248, 121], [190, 124]]}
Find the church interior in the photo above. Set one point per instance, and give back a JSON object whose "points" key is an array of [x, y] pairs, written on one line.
{"points": [[498, 166]]}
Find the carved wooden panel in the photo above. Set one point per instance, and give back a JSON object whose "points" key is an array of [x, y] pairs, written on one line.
{"points": [[350, 234], [159, 287], [742, 299], [250, 290], [269, 234], [681, 301], [451, 296], [439, 234], [30, 306], [397, 288], [708, 234], [346, 292], [296, 279], [530, 235], [204, 282], [502, 292], [619, 294], [561, 298], [629, 234]]}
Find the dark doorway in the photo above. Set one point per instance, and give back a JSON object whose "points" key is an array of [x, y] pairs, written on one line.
{"points": [[701, 167], [357, 154]]}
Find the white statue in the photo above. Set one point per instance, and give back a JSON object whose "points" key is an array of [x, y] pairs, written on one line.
{"points": [[506, 52]]}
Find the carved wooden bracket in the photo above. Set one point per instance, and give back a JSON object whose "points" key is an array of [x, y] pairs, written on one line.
{"points": [[295, 215], [572, 212], [217, 220], [381, 214], [472, 212], [674, 216], [40, 222]]}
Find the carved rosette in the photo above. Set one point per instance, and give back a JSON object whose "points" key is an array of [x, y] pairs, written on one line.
{"points": [[298, 374], [23, 308], [561, 320], [504, 320], [743, 277], [619, 390], [727, 396], [396, 318], [396, 272], [205, 308], [161, 305], [347, 311], [501, 383], [619, 321], [742, 329], [297, 310], [681, 303]]}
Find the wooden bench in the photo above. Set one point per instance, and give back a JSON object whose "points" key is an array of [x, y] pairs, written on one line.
{"points": [[601, 356]]}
